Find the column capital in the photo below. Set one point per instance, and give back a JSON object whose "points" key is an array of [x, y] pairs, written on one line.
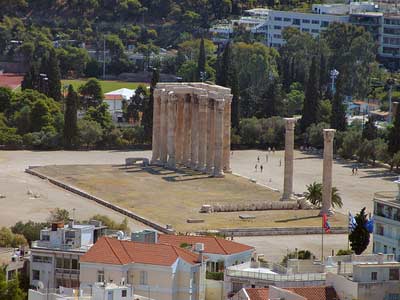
{"points": [[172, 97], [157, 92], [290, 123], [203, 100], [329, 135], [228, 98]]}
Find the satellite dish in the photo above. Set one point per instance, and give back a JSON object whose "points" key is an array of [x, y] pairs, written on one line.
{"points": [[40, 285]]}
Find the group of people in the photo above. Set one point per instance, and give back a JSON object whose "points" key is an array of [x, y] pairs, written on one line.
{"points": [[266, 160]]}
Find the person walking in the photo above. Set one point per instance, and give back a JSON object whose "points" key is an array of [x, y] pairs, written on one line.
{"points": [[261, 168], [280, 162], [256, 167], [258, 158]]}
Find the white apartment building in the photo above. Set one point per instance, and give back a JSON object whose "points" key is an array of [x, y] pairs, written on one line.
{"points": [[55, 257], [387, 222], [115, 100]]}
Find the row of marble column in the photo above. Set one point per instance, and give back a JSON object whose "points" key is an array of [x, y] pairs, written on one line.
{"points": [[192, 130], [327, 166]]}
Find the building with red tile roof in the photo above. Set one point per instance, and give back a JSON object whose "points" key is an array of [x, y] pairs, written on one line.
{"points": [[166, 271], [221, 253]]}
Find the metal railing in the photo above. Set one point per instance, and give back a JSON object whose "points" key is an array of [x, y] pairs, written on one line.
{"points": [[276, 277], [64, 247]]}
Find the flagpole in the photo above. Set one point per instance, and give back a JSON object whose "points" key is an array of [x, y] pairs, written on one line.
{"points": [[322, 241]]}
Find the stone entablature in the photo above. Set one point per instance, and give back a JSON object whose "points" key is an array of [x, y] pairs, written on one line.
{"points": [[192, 127]]}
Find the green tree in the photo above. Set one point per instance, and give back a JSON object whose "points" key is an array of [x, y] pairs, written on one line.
{"points": [[359, 238], [90, 132], [99, 114], [71, 118], [5, 99], [370, 132], [41, 116], [394, 134], [91, 93], [338, 119], [147, 118], [30, 230], [50, 66], [59, 215], [311, 101], [271, 103], [314, 195]]}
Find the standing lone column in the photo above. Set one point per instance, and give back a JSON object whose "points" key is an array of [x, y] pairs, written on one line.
{"points": [[156, 143], [219, 137], [163, 128], [227, 135], [327, 173], [194, 133], [171, 130], [289, 147], [179, 131], [203, 103], [186, 131]]}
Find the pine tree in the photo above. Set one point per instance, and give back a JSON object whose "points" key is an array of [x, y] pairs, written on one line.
{"points": [[201, 64], [359, 238], [311, 101], [50, 67], [147, 119], [370, 132], [272, 100], [227, 76], [394, 133], [322, 73], [338, 118], [70, 118]]}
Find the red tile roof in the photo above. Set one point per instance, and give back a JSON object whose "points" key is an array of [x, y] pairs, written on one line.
{"points": [[258, 293], [117, 252], [309, 292], [212, 245], [10, 80]]}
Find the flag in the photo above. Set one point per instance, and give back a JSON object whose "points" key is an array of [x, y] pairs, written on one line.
{"points": [[369, 225], [352, 222], [325, 223]]}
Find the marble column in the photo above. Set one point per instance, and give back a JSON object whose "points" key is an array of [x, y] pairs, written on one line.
{"points": [[289, 156], [171, 130], [187, 132], [203, 103], [194, 132], [227, 135], [179, 146], [327, 173], [156, 143], [219, 137], [210, 136], [163, 127]]}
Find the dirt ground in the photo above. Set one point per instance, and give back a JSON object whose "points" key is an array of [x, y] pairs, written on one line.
{"points": [[170, 197]]}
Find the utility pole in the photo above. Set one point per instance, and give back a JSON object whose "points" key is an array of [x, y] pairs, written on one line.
{"points": [[334, 74]]}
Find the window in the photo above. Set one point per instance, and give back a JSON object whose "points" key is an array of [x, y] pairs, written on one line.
{"points": [[236, 286], [253, 286], [324, 24], [277, 36], [305, 30], [287, 19], [143, 277], [69, 234], [384, 249], [100, 276], [278, 19], [306, 21], [314, 30], [42, 259], [277, 27], [35, 274], [67, 263], [315, 21], [74, 265], [393, 297], [374, 276], [393, 274], [59, 262], [45, 237], [124, 293], [296, 22]]}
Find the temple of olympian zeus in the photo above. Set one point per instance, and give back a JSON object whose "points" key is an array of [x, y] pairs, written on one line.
{"points": [[192, 127], [327, 166]]}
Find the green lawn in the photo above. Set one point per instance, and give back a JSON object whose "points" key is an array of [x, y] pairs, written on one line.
{"points": [[107, 85]]}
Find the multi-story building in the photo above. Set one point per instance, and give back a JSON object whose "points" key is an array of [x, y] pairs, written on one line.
{"points": [[221, 253], [371, 278], [159, 271], [55, 257], [387, 223]]}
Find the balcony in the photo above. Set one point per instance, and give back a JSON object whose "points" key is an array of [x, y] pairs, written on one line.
{"points": [[62, 247]]}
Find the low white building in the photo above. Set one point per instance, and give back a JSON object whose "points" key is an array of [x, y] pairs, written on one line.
{"points": [[115, 100]]}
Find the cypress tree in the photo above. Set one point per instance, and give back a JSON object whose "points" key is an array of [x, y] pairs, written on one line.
{"points": [[394, 133], [359, 238], [71, 118], [52, 69], [201, 64], [338, 118], [272, 100], [227, 76], [311, 101], [370, 132], [147, 119], [30, 80]]}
